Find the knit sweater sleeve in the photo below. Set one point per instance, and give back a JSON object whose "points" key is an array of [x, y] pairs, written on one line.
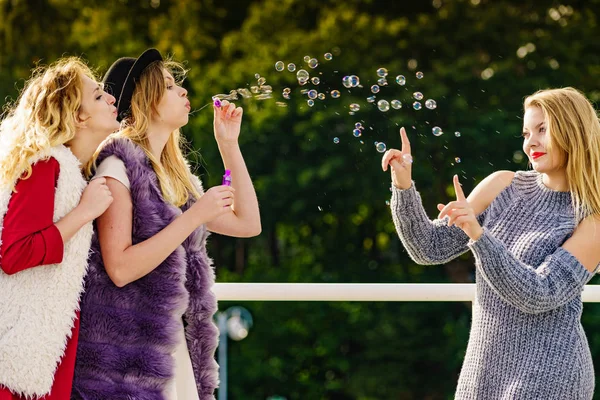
{"points": [[532, 289], [427, 242]]}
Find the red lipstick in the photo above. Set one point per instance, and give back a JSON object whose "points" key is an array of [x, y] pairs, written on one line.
{"points": [[536, 154]]}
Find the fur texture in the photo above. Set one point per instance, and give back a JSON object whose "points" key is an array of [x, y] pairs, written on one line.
{"points": [[38, 305], [128, 334]]}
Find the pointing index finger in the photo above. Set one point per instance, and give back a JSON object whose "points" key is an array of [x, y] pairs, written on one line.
{"points": [[405, 141], [460, 195]]}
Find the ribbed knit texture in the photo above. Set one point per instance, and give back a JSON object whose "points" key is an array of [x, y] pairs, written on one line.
{"points": [[526, 339]]}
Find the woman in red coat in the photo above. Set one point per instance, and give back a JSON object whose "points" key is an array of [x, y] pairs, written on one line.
{"points": [[46, 213]]}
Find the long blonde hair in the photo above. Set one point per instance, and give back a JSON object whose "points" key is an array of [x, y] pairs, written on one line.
{"points": [[172, 169], [44, 117], [574, 129]]}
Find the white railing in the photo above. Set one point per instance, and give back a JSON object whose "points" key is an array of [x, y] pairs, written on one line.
{"points": [[359, 292]]}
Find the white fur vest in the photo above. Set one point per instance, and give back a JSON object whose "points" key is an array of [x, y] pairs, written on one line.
{"points": [[38, 305]]}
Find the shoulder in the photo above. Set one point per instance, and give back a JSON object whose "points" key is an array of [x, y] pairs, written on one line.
{"points": [[44, 173], [46, 169], [113, 167], [489, 188], [583, 243]]}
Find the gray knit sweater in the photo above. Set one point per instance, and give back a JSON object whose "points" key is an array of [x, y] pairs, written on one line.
{"points": [[526, 339]]}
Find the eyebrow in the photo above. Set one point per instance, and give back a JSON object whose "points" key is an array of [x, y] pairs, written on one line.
{"points": [[537, 126]]}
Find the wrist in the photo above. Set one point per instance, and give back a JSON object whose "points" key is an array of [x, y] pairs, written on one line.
{"points": [[475, 236], [81, 214]]}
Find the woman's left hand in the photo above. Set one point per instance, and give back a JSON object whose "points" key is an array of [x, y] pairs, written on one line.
{"points": [[461, 213], [227, 122]]}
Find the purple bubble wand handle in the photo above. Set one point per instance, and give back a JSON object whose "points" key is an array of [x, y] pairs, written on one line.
{"points": [[227, 178], [216, 102]]}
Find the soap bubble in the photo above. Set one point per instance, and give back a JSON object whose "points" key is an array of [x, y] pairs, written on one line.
{"points": [[396, 104], [387, 202], [418, 95], [328, 56], [287, 90], [437, 131], [354, 80], [431, 104], [336, 140], [419, 75], [321, 96], [354, 107], [245, 93], [256, 76], [315, 80], [262, 81], [280, 104], [279, 66], [291, 67], [335, 94], [382, 82], [358, 125], [375, 89], [416, 105], [457, 134], [357, 132], [310, 102], [407, 158], [347, 82], [381, 147], [382, 72], [264, 96], [286, 95], [302, 75], [312, 94], [383, 105], [306, 59], [401, 80], [371, 99], [457, 160], [313, 63]]}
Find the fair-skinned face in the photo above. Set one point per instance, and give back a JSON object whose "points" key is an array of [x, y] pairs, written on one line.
{"points": [[97, 115], [174, 107], [536, 141]]}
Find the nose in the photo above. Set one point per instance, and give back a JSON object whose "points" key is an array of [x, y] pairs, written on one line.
{"points": [[184, 92], [111, 99]]}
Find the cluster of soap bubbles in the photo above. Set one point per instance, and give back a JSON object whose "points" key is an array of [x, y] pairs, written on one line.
{"points": [[262, 91]]}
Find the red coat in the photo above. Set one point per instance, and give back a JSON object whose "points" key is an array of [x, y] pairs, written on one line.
{"points": [[30, 239]]}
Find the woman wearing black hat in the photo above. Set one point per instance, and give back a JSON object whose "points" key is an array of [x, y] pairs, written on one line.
{"points": [[150, 267]]}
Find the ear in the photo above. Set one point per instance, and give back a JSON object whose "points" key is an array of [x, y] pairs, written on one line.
{"points": [[81, 119]]}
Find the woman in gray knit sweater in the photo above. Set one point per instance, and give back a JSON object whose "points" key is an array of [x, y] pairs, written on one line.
{"points": [[535, 236]]}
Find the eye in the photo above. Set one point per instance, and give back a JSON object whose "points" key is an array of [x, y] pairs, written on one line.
{"points": [[169, 87], [542, 129], [525, 134], [99, 97]]}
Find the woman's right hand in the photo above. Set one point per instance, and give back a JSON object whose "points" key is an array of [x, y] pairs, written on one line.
{"points": [[96, 198], [215, 202], [401, 163]]}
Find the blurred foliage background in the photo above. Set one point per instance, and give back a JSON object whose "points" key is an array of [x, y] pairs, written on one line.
{"points": [[323, 205]]}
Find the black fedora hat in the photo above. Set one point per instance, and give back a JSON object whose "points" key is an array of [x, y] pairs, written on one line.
{"points": [[122, 76]]}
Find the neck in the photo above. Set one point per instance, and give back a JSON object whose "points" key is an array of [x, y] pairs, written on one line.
{"points": [[83, 151], [158, 137], [556, 180]]}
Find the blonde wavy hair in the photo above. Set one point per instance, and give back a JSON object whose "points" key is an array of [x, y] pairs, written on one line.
{"points": [[43, 117], [172, 169], [574, 129]]}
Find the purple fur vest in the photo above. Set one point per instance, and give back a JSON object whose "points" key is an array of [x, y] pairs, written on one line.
{"points": [[128, 334]]}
